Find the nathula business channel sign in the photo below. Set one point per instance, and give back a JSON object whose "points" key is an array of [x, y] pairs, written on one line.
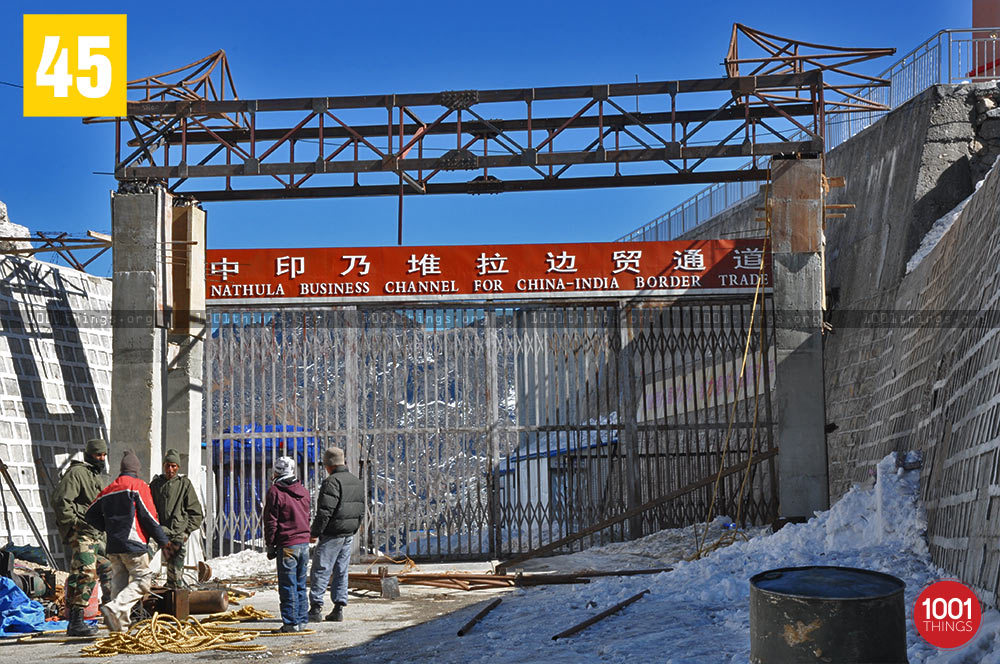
{"points": [[487, 272]]}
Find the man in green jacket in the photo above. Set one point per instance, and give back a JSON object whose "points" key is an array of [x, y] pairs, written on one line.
{"points": [[76, 491], [179, 512]]}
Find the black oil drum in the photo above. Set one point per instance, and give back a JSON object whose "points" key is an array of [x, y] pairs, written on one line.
{"points": [[827, 614]]}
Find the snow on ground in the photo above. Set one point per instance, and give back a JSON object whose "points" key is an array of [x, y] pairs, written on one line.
{"points": [[700, 611], [243, 564], [661, 549]]}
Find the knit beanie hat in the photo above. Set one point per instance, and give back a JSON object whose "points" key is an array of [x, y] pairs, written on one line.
{"points": [[284, 467], [172, 456], [334, 456], [96, 446], [130, 463]]}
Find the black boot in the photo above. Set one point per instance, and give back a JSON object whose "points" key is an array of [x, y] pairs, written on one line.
{"points": [[337, 615], [77, 627], [315, 613]]}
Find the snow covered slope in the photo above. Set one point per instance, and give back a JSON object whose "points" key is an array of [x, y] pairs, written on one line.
{"points": [[700, 611]]}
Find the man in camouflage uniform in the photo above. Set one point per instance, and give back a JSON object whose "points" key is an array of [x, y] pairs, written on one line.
{"points": [[77, 489], [179, 512]]}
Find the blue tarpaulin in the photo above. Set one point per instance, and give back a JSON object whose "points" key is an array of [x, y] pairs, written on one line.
{"points": [[248, 444], [20, 615], [239, 457]]}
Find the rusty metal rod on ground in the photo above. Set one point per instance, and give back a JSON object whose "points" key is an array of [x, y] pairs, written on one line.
{"points": [[472, 581], [549, 580], [600, 616], [479, 616], [624, 572]]}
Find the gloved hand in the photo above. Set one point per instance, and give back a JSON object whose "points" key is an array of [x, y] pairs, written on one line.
{"points": [[272, 552]]}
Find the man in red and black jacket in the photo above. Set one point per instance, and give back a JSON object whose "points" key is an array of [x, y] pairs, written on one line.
{"points": [[125, 511]]}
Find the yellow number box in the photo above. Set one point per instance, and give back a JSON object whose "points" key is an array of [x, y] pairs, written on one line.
{"points": [[74, 65]]}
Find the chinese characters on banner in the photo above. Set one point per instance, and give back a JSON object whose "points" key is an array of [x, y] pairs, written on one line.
{"points": [[486, 272]]}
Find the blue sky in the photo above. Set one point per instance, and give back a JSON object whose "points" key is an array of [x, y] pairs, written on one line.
{"points": [[48, 165]]}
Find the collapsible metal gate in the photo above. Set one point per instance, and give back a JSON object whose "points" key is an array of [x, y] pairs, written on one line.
{"points": [[484, 431]]}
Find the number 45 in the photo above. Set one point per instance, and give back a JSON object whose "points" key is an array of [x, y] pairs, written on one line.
{"points": [[61, 80]]}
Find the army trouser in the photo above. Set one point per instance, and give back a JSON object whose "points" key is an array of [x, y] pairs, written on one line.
{"points": [[175, 566], [87, 565]]}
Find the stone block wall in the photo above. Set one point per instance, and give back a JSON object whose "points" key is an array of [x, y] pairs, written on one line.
{"points": [[913, 358], [55, 381]]}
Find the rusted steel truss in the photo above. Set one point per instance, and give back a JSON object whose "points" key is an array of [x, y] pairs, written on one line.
{"points": [[471, 141], [61, 243], [780, 55]]}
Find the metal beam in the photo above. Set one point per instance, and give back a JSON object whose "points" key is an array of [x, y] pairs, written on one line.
{"points": [[476, 127], [484, 187]]}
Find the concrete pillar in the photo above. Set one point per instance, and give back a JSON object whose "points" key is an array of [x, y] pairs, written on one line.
{"points": [[140, 224], [184, 389], [628, 408], [797, 253]]}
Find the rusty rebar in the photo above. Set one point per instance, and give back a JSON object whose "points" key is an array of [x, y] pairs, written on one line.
{"points": [[479, 616], [600, 616]]}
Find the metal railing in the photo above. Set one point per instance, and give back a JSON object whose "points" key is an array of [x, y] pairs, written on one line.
{"points": [[949, 57]]}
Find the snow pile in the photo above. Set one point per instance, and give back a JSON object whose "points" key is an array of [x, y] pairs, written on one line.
{"points": [[700, 611], [983, 649], [243, 564], [660, 549]]}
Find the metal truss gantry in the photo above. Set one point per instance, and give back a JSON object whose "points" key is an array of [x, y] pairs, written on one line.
{"points": [[195, 128], [466, 141]]}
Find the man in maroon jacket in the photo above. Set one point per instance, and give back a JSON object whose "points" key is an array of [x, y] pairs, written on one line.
{"points": [[286, 533], [125, 511]]}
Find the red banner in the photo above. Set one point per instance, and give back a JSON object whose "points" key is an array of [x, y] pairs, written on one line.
{"points": [[706, 267]]}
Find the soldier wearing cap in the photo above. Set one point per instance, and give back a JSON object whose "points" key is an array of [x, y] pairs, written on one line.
{"points": [[77, 489], [179, 512]]}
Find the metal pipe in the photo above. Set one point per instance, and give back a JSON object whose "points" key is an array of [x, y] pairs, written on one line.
{"points": [[208, 601], [600, 616], [467, 627]]}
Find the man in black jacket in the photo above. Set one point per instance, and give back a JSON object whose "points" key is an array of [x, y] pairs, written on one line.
{"points": [[339, 508]]}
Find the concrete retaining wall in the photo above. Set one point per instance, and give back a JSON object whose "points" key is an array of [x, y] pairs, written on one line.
{"points": [[929, 382], [55, 381]]}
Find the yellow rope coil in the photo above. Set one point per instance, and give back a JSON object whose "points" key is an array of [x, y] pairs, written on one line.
{"points": [[246, 613], [165, 633]]}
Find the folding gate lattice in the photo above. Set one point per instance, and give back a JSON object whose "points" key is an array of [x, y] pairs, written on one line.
{"points": [[484, 431]]}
